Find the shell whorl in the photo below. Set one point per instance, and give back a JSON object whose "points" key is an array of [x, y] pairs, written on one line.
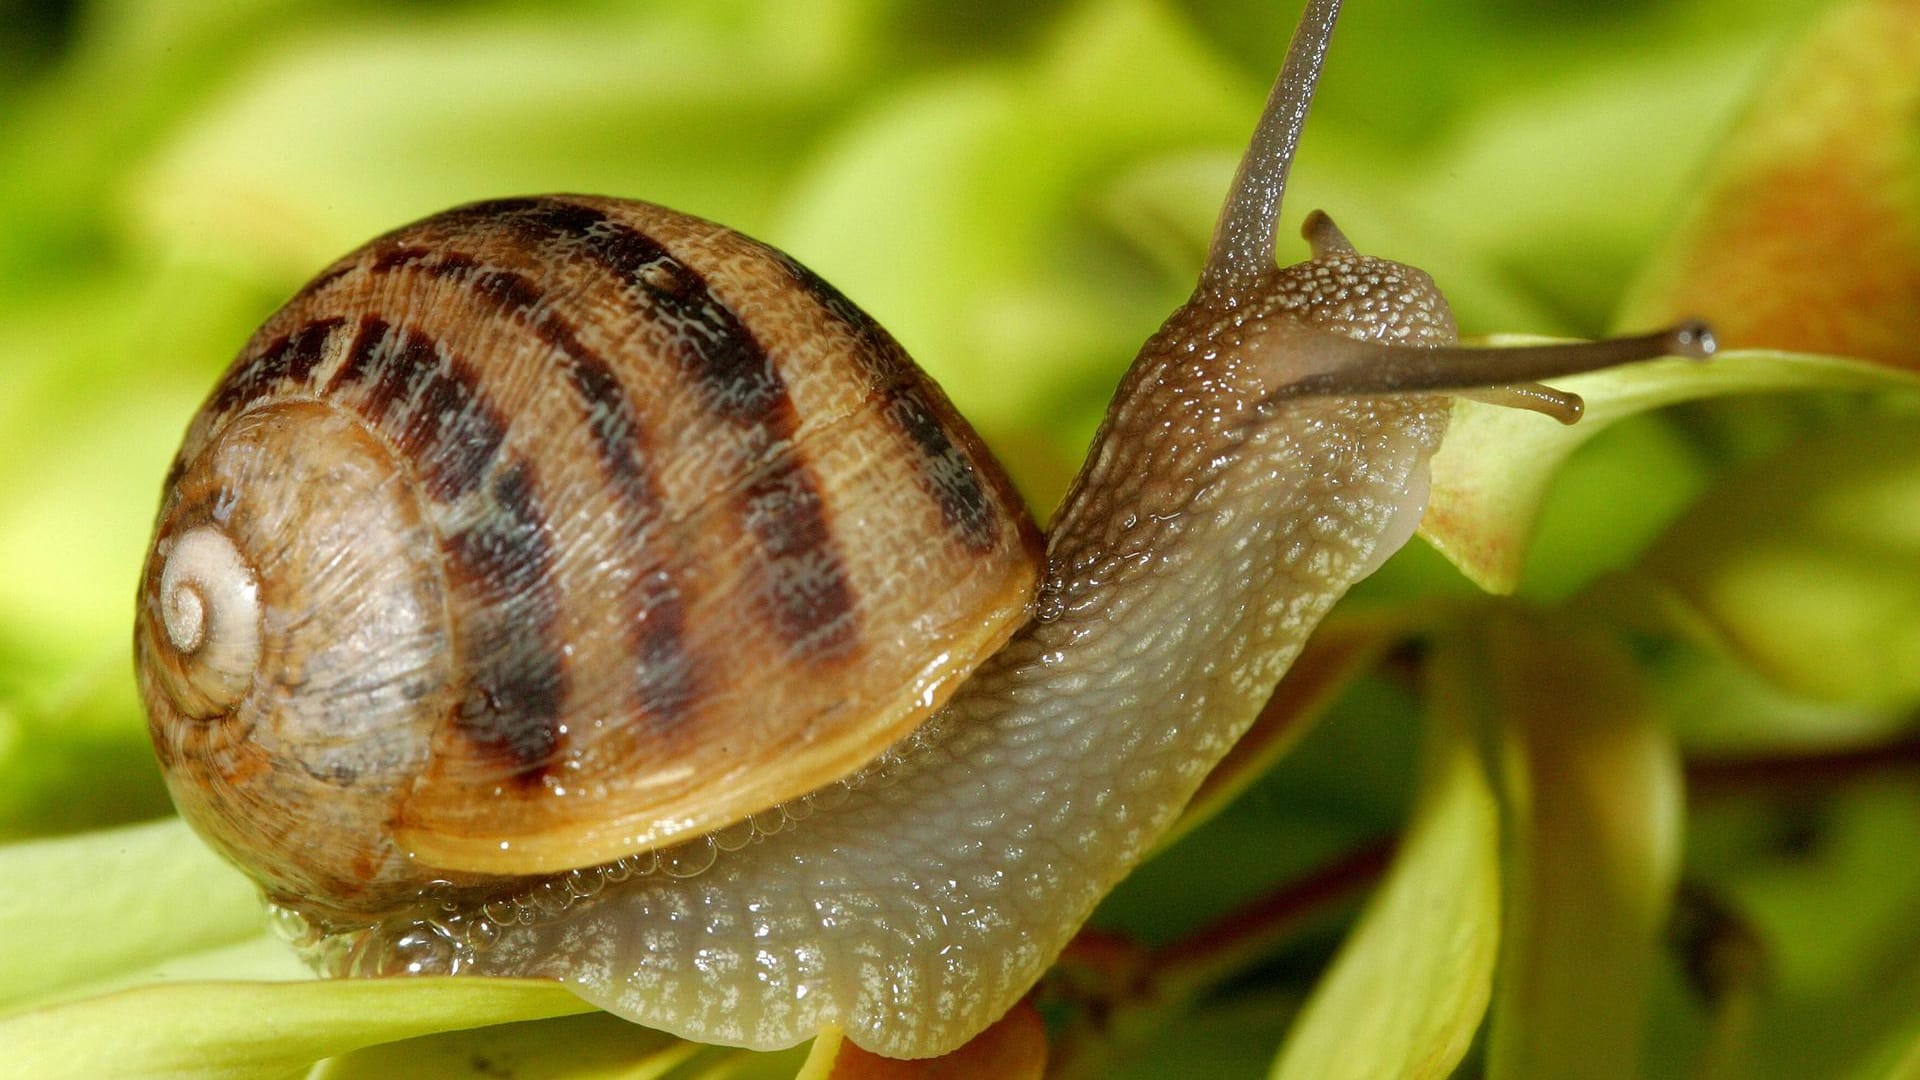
{"points": [[700, 536], [210, 605]]}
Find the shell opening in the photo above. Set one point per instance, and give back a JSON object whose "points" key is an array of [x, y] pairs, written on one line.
{"points": [[210, 608]]}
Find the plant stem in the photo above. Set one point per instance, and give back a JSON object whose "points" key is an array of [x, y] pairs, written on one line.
{"points": [[1736, 774]]}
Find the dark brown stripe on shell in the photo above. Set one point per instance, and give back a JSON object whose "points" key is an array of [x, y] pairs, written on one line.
{"points": [[516, 676], [803, 585], [451, 434], [393, 257], [282, 363], [405, 366], [943, 469], [433, 408], [734, 375], [360, 354], [808, 597], [309, 347], [665, 682], [608, 410], [429, 403]]}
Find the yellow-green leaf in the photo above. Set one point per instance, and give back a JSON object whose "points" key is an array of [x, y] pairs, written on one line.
{"points": [[594, 1047], [78, 909], [256, 1031], [1493, 471], [1409, 987], [1804, 565], [1898, 1060], [598, 100], [1592, 814]]}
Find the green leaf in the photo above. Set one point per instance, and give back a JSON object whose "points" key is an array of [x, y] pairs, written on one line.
{"points": [[1828, 884], [1719, 706], [1592, 813], [592, 1047], [243, 1031], [264, 957], [79, 909], [1408, 990], [89, 737], [1899, 1059], [1803, 565], [1232, 1037], [1493, 471], [134, 70]]}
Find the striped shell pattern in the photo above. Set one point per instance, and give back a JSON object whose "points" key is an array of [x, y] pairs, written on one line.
{"points": [[547, 530]]}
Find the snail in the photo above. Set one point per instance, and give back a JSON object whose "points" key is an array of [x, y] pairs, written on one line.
{"points": [[572, 588]]}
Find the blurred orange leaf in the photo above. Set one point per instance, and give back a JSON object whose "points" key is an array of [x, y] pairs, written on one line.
{"points": [[1805, 235]]}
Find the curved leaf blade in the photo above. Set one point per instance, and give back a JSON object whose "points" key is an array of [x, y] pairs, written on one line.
{"points": [[1492, 473], [1409, 988], [166, 894], [1593, 815], [1803, 565], [593, 1047], [257, 1031]]}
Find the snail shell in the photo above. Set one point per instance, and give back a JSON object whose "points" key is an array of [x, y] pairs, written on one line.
{"points": [[548, 530]]}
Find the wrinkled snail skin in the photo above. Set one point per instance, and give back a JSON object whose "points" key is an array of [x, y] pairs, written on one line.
{"points": [[624, 608]]}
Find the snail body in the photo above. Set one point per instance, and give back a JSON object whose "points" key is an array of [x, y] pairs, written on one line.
{"points": [[566, 587]]}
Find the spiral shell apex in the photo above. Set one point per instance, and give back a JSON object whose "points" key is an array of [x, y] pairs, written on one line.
{"points": [[550, 530], [210, 607]]}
